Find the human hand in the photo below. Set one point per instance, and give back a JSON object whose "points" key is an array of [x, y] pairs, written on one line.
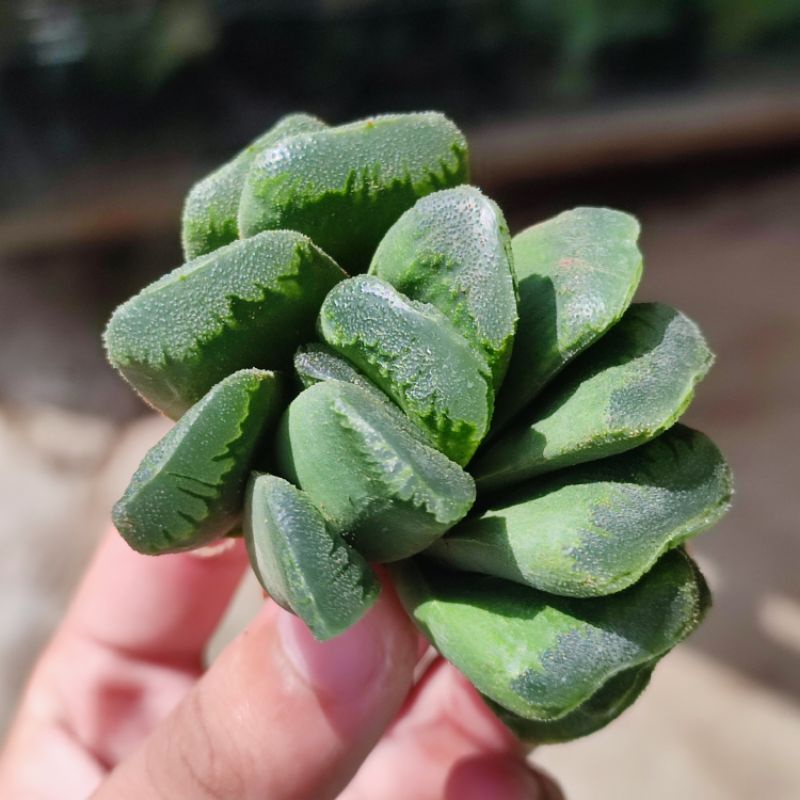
{"points": [[121, 706]]}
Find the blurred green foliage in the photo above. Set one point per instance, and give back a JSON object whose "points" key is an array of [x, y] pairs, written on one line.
{"points": [[140, 44], [742, 25], [81, 75]]}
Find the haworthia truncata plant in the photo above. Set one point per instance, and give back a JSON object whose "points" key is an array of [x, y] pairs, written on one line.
{"points": [[602, 707], [627, 389], [318, 362], [417, 356], [189, 488], [210, 214], [248, 304], [393, 495], [488, 413], [540, 656], [345, 186], [453, 250], [576, 275], [304, 565], [596, 528]]}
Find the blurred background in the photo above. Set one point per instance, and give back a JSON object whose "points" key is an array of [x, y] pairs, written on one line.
{"points": [[684, 112]]}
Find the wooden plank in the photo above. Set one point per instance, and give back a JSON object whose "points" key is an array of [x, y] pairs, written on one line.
{"points": [[664, 129], [139, 198]]}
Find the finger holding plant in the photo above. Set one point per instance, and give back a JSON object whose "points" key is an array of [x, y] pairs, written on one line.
{"points": [[489, 415]]}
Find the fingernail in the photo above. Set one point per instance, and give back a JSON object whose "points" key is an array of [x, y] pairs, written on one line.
{"points": [[343, 669], [213, 550], [498, 775]]}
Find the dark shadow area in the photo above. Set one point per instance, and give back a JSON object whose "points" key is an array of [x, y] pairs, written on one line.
{"points": [[537, 303], [53, 308], [645, 465], [642, 187], [86, 78], [632, 614]]}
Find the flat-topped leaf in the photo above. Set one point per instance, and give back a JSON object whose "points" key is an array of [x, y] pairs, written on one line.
{"points": [[604, 706], [189, 488], [317, 362], [414, 354], [541, 656], [345, 186], [390, 494], [629, 387], [305, 566], [576, 275], [248, 304], [212, 205], [453, 250], [597, 528]]}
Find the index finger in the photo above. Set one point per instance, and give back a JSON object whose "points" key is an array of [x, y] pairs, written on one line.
{"points": [[155, 608]]}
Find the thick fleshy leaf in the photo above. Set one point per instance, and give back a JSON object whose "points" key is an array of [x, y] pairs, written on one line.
{"points": [[604, 706], [212, 205], [416, 355], [624, 391], [453, 250], [306, 567], [541, 656], [597, 528], [576, 275], [189, 488], [345, 186], [384, 489], [317, 362], [248, 304]]}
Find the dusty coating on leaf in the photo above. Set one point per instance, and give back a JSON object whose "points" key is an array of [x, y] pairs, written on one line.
{"points": [[210, 212], [453, 250], [390, 494], [542, 656], [629, 387], [605, 705], [189, 488], [250, 303], [317, 362], [595, 529], [304, 565], [410, 369], [414, 354], [345, 186], [576, 275]]}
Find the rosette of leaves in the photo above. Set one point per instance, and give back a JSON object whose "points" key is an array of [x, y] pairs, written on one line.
{"points": [[492, 416]]}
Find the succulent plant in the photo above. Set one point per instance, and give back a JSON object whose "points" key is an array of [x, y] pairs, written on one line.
{"points": [[489, 415]]}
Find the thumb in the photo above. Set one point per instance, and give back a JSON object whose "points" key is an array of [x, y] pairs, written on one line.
{"points": [[279, 714]]}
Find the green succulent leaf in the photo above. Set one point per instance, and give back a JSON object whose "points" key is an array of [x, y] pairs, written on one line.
{"points": [[414, 354], [248, 304], [306, 567], [453, 250], [624, 391], [604, 706], [345, 186], [559, 592], [189, 488], [541, 656], [390, 494], [597, 528], [317, 362], [576, 275], [212, 205]]}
